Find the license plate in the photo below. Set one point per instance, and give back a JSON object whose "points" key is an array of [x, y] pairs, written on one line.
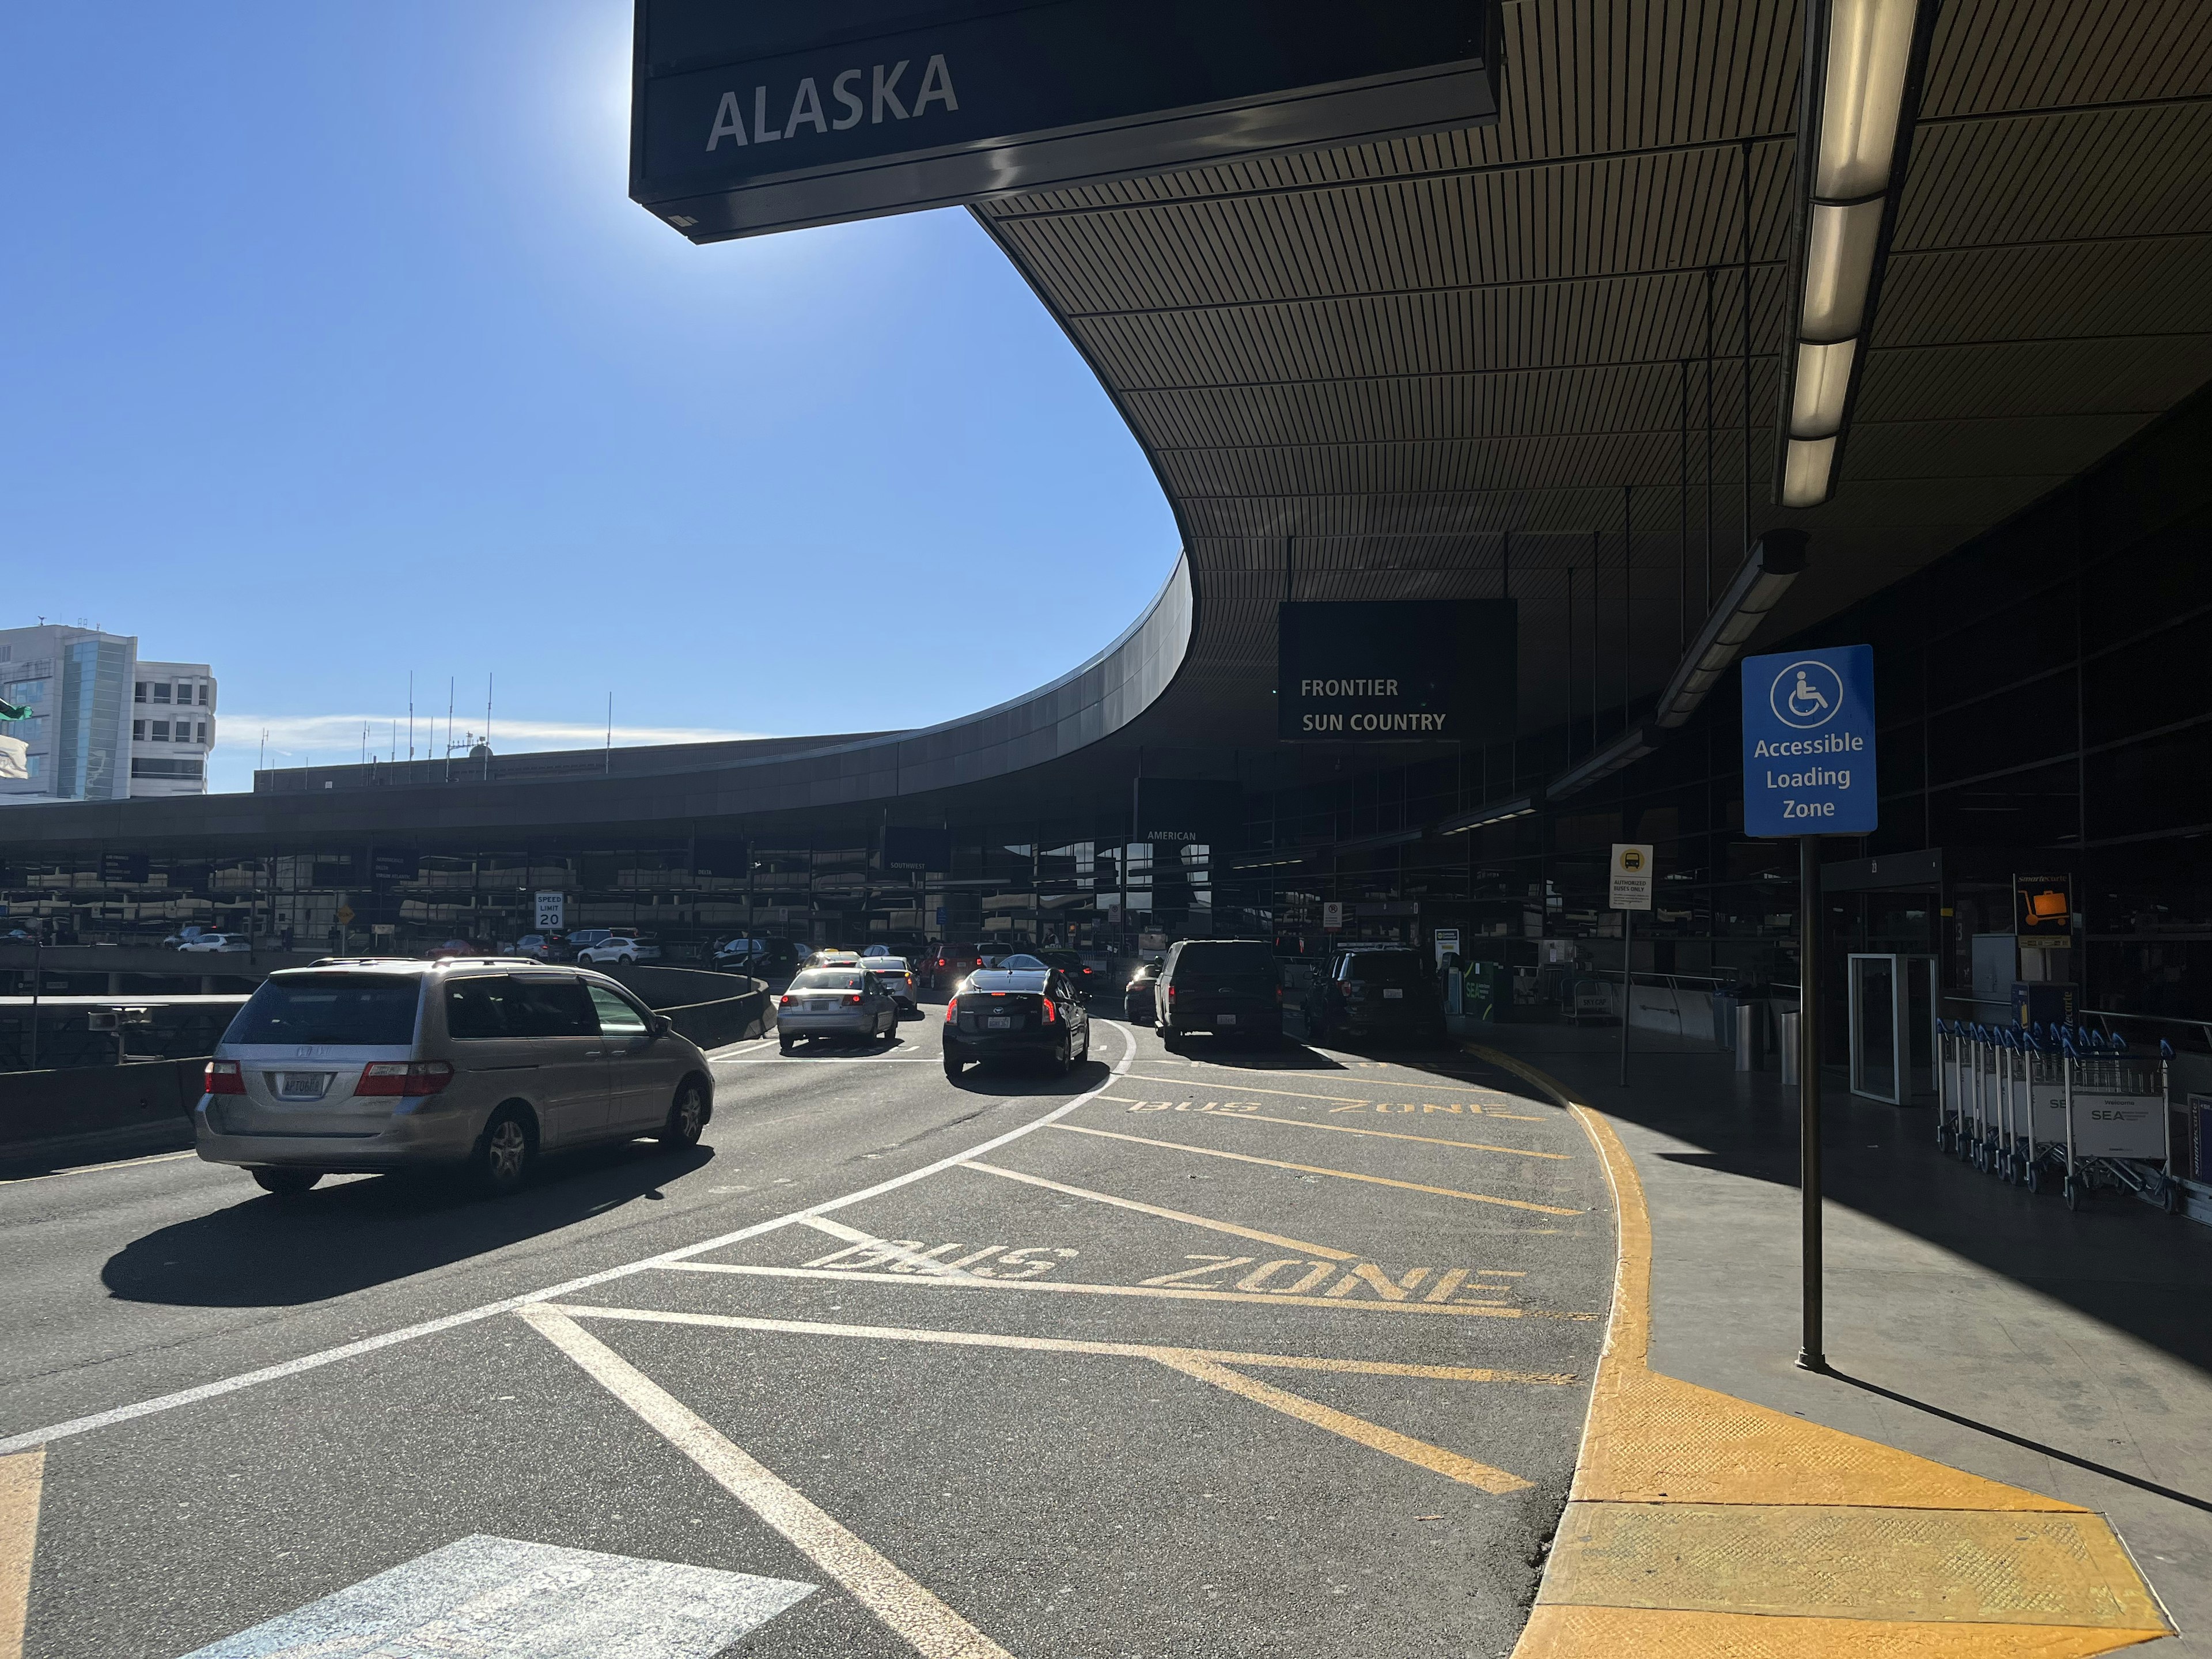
{"points": [[1391, 996], [818, 1008], [999, 1022], [301, 1086], [1224, 1019]]}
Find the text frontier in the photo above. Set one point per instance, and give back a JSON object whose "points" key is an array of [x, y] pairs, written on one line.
{"points": [[1347, 688]]}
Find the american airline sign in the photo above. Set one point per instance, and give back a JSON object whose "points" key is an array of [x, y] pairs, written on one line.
{"points": [[749, 117]]}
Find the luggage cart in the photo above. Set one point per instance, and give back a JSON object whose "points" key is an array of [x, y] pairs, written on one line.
{"points": [[1951, 1074], [2010, 1145], [2041, 1112], [1987, 1100], [2117, 1131]]}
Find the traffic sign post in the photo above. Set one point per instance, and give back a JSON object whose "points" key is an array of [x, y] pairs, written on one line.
{"points": [[1628, 890], [1808, 771]]}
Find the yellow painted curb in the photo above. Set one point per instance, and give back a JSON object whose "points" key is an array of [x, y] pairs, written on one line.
{"points": [[1700, 1523]]}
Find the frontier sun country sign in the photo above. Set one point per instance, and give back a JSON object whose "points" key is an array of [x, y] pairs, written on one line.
{"points": [[1388, 671]]}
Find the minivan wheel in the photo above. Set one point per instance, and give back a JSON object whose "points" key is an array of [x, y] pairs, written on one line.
{"points": [[685, 1119], [286, 1183], [503, 1153]]}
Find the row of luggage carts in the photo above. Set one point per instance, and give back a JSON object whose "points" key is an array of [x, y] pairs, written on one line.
{"points": [[2063, 1107]]}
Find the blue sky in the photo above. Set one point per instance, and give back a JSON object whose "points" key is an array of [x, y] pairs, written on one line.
{"points": [[330, 348]]}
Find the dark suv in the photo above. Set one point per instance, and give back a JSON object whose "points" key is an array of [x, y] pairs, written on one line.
{"points": [[1226, 986], [1080, 974], [1385, 991]]}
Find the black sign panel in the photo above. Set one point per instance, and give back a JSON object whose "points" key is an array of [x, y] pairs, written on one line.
{"points": [[754, 118], [1396, 670], [911, 847], [1188, 811]]}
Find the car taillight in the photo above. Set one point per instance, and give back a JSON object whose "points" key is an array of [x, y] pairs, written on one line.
{"points": [[401, 1077], [855, 997], [224, 1077], [783, 999], [1050, 1013], [1171, 993], [952, 1006]]}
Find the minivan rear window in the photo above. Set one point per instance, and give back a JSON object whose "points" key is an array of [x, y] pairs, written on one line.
{"points": [[1225, 956], [368, 1010]]}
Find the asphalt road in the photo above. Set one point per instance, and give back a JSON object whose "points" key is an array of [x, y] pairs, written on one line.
{"points": [[1253, 1352]]}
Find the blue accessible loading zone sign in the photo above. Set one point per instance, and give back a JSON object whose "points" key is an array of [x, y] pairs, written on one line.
{"points": [[1809, 752]]}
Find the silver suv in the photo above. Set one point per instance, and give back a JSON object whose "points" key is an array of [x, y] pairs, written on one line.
{"points": [[479, 1063]]}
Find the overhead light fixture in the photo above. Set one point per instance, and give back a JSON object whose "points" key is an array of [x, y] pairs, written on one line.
{"points": [[1861, 78], [1631, 746], [1757, 587], [1497, 812]]}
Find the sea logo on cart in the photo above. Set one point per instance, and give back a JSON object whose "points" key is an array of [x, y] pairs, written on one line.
{"points": [[1807, 693]]}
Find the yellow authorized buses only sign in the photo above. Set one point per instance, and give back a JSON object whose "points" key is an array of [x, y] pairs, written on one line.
{"points": [[1629, 887]]}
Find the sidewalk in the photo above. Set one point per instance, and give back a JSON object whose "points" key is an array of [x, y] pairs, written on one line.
{"points": [[2046, 1359]]}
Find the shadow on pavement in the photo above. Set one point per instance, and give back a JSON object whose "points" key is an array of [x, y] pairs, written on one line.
{"points": [[267, 1252], [2119, 1261]]}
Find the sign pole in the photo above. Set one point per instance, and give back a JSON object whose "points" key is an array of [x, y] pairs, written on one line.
{"points": [[1812, 1355], [1627, 984]]}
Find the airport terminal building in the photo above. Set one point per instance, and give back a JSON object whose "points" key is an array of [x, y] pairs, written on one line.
{"points": [[1495, 444]]}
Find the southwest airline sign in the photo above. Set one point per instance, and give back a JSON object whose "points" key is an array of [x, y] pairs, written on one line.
{"points": [[753, 118]]}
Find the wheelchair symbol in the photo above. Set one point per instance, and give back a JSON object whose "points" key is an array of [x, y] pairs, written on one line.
{"points": [[1806, 694]]}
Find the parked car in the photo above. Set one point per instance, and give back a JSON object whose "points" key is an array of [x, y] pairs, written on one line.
{"points": [[843, 1002], [898, 979], [544, 947], [582, 939], [1371, 991], [1137, 999], [190, 930], [223, 941], [1016, 1012], [1227, 987], [609, 952], [1080, 974], [403, 1065], [762, 958]]}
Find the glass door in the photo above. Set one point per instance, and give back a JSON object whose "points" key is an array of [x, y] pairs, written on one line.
{"points": [[1879, 1024]]}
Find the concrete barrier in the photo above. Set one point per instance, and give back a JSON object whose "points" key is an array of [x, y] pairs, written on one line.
{"points": [[711, 1009], [86, 1114]]}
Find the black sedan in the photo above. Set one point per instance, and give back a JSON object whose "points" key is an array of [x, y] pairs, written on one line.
{"points": [[1016, 1013], [1139, 1005]]}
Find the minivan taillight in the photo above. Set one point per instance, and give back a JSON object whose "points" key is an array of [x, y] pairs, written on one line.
{"points": [[403, 1077], [223, 1077]]}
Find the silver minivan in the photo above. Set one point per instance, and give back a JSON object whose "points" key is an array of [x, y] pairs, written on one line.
{"points": [[476, 1063]]}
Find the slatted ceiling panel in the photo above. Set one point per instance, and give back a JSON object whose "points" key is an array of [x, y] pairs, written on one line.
{"points": [[1641, 397], [1396, 352], [2133, 287], [1524, 328], [2037, 377], [1994, 56], [2078, 176]]}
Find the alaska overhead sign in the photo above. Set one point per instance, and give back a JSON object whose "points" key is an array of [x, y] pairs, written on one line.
{"points": [[753, 118]]}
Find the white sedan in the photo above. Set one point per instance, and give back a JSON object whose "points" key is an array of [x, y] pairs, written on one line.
{"points": [[216, 942], [898, 980]]}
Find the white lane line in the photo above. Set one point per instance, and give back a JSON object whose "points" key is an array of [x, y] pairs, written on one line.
{"points": [[94, 1169], [839, 1060], [910, 1611], [1253, 1233], [310, 1362]]}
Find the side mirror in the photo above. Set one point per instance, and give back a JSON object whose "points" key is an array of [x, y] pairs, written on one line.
{"points": [[662, 1025]]}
